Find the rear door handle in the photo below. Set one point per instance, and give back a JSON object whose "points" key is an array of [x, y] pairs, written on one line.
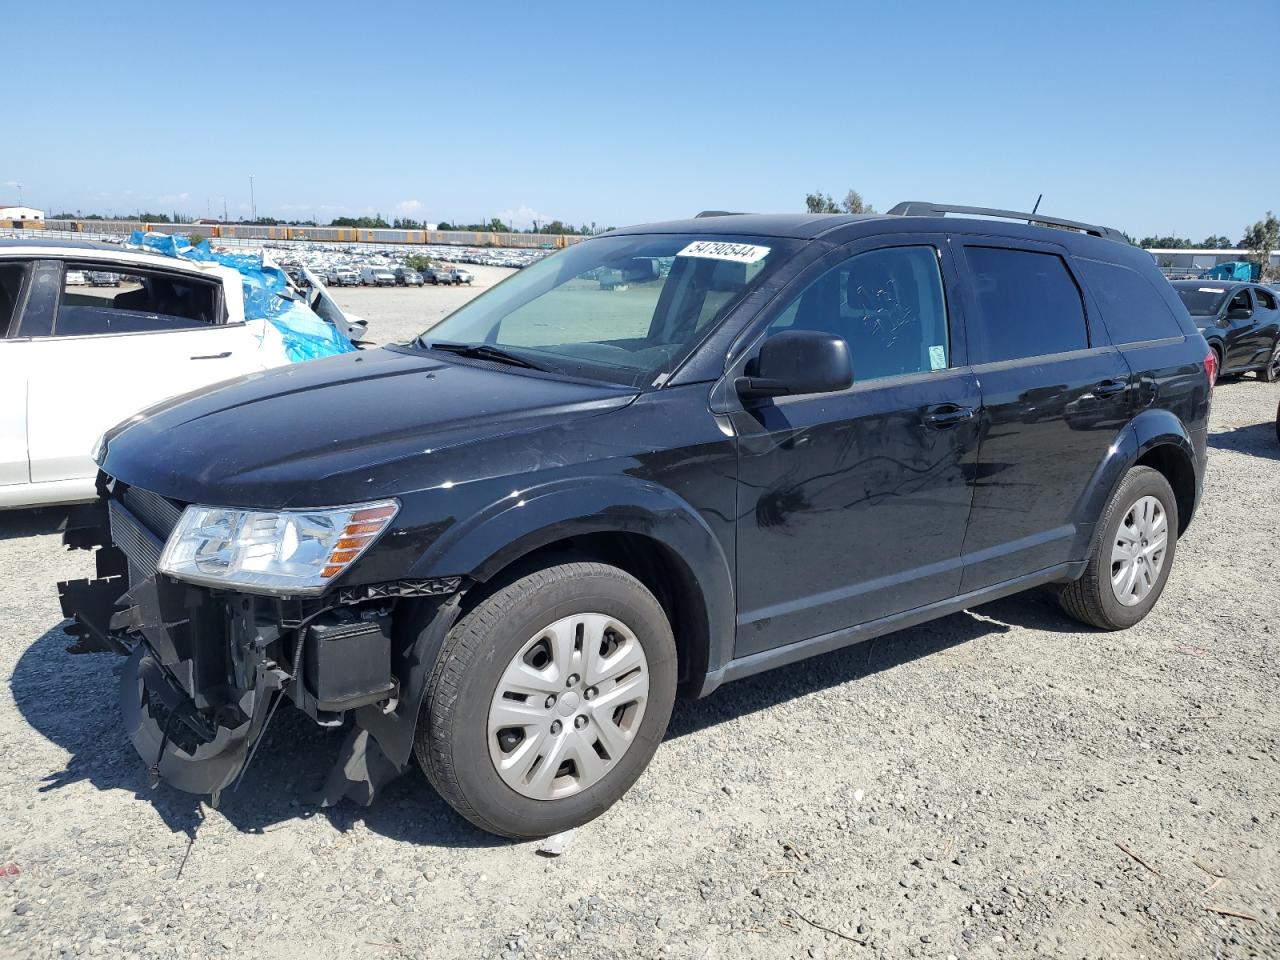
{"points": [[213, 356], [947, 415], [1109, 388]]}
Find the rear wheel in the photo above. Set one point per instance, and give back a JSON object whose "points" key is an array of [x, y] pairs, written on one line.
{"points": [[1131, 557], [548, 700], [1271, 372]]}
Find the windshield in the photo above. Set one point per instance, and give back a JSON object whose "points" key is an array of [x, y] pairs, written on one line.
{"points": [[624, 309], [1202, 301]]}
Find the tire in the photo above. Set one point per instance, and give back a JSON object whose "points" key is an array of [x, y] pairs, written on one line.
{"points": [[1271, 372], [457, 744], [1093, 599]]}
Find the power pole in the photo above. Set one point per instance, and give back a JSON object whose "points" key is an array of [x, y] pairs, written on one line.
{"points": [[253, 205]]}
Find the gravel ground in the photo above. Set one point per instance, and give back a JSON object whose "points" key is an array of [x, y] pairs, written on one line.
{"points": [[397, 314], [1000, 783]]}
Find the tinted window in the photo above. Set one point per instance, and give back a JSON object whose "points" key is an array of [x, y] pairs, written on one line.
{"points": [[1131, 307], [1241, 301], [1201, 298], [887, 304], [97, 299], [11, 276], [1265, 299], [1028, 305]]}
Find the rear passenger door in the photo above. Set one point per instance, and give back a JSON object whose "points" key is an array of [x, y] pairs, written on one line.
{"points": [[1055, 394], [1266, 316], [112, 350], [1238, 331]]}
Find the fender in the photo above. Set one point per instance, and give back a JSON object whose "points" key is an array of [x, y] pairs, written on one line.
{"points": [[481, 546], [1149, 429]]}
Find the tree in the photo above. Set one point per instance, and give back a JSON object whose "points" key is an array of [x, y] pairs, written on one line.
{"points": [[853, 203], [1260, 239], [1166, 243], [365, 223], [820, 203], [1215, 242]]}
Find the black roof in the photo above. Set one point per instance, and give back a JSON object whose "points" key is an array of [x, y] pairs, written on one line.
{"points": [[800, 226], [841, 228], [1224, 284]]}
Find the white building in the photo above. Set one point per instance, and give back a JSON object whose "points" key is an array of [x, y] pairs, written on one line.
{"points": [[19, 214], [1181, 259]]}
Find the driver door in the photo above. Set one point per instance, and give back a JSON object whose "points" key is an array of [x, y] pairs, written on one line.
{"points": [[852, 506]]}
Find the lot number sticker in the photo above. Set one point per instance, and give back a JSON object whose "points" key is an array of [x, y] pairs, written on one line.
{"points": [[719, 250]]}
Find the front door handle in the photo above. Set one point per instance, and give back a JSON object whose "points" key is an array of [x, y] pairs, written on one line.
{"points": [[213, 356], [1109, 388], [947, 415]]}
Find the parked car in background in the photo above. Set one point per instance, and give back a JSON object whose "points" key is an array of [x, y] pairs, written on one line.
{"points": [[76, 360], [344, 277], [103, 278], [377, 277], [461, 275], [1240, 321], [807, 432], [438, 274], [407, 277]]}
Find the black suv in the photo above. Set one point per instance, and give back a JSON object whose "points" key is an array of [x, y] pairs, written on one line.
{"points": [[1241, 322], [506, 546]]}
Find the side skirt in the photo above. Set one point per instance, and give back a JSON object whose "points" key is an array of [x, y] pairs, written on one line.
{"points": [[741, 667]]}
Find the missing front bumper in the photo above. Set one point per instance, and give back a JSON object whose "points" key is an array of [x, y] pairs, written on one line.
{"points": [[205, 668]]}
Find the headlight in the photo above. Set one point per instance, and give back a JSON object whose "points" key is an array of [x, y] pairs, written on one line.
{"points": [[284, 552]]}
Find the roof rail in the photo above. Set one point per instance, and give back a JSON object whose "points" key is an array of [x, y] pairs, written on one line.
{"points": [[719, 213], [922, 208]]}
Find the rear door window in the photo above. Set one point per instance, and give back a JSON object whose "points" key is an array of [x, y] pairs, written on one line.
{"points": [[1265, 300], [102, 299], [1028, 305], [1132, 308]]}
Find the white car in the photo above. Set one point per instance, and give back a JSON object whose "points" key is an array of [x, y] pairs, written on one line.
{"points": [[76, 360]]}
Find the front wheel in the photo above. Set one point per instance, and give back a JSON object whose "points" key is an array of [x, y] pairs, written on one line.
{"points": [[548, 700], [1131, 557], [1271, 372]]}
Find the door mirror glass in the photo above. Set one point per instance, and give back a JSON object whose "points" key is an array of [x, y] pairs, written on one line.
{"points": [[797, 362]]}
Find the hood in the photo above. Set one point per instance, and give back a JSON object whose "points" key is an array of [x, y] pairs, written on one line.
{"points": [[344, 429]]}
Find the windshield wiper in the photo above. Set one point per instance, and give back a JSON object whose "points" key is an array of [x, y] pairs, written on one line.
{"points": [[479, 351]]}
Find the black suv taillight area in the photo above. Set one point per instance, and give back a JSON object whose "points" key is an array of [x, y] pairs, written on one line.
{"points": [[1211, 367]]}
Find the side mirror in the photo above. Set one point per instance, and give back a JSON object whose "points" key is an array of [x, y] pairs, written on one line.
{"points": [[797, 362]]}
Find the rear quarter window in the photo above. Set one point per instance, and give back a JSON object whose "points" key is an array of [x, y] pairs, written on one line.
{"points": [[1132, 308]]}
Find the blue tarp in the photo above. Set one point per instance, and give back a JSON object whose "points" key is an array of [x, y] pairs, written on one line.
{"points": [[267, 296]]}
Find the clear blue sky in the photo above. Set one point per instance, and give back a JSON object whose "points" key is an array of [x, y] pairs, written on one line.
{"points": [[1134, 114]]}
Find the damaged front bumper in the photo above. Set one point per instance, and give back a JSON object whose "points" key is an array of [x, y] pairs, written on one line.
{"points": [[206, 669]]}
